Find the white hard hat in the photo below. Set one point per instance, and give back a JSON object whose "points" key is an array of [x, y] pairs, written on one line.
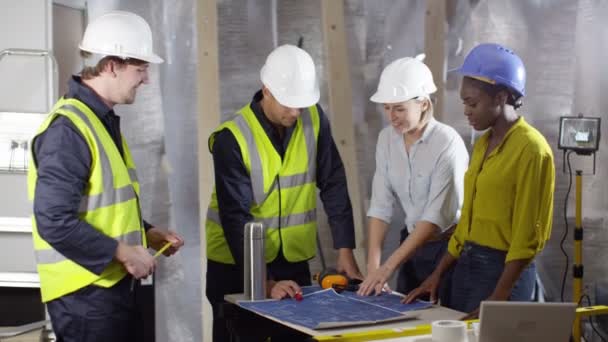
{"points": [[289, 74], [404, 79], [121, 34]]}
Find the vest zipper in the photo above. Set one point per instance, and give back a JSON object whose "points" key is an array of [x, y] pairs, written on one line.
{"points": [[280, 218]]}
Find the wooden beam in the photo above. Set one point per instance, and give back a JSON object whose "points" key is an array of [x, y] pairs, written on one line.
{"points": [[434, 47], [208, 119], [340, 105]]}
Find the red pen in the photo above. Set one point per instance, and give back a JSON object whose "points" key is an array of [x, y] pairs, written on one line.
{"points": [[298, 296]]}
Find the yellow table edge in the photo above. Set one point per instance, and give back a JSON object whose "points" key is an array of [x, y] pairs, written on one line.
{"points": [[425, 329], [380, 334]]}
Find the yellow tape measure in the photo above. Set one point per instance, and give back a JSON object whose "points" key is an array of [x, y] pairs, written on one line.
{"points": [[160, 251]]}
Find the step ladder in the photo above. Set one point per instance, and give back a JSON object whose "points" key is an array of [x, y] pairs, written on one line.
{"points": [[16, 131]]}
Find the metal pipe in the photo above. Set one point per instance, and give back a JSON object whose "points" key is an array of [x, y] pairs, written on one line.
{"points": [[274, 23], [577, 289]]}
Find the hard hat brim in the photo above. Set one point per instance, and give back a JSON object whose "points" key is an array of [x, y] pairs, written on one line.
{"points": [[153, 58], [462, 72], [378, 98], [300, 101], [471, 75], [381, 98], [485, 79]]}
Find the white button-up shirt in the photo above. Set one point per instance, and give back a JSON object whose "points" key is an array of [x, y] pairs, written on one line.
{"points": [[428, 181]]}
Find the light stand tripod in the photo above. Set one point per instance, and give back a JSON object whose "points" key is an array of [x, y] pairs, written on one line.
{"points": [[580, 135]]}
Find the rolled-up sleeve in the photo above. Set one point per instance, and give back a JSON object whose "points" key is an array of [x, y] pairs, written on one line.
{"points": [[533, 210], [447, 186], [457, 241], [383, 199]]}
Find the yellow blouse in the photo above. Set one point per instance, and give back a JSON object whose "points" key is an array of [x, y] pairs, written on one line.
{"points": [[508, 199]]}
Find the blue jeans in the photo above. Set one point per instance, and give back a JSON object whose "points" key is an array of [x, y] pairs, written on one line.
{"points": [[424, 261], [476, 275]]}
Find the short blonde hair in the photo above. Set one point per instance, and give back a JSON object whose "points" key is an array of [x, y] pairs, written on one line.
{"points": [[429, 112]]}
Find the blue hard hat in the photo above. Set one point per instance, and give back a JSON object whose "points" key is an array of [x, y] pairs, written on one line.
{"points": [[495, 64]]}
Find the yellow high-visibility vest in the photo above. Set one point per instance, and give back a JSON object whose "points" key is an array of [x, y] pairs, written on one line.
{"points": [[110, 204], [288, 183]]}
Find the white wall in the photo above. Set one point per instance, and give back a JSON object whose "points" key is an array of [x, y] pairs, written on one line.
{"points": [[68, 28], [24, 24], [29, 24]]}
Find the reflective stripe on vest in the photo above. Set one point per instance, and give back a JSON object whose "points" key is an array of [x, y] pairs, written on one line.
{"points": [[107, 198], [51, 256], [286, 221], [257, 175]]}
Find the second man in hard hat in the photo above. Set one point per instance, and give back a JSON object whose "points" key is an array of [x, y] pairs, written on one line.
{"points": [[269, 161]]}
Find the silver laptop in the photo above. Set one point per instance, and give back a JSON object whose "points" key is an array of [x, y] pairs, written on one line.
{"points": [[525, 321]]}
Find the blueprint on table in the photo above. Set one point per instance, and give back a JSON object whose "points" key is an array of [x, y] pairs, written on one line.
{"points": [[389, 301], [328, 309]]}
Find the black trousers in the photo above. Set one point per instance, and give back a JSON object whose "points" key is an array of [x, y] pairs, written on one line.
{"points": [[231, 323], [94, 314], [414, 271]]}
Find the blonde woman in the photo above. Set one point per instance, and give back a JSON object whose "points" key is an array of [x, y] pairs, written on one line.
{"points": [[420, 164]]}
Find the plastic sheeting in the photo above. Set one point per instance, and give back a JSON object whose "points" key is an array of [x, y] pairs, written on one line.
{"points": [[161, 130], [562, 44], [378, 33]]}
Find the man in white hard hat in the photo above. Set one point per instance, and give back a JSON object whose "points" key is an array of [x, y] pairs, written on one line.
{"points": [[269, 161], [89, 236]]}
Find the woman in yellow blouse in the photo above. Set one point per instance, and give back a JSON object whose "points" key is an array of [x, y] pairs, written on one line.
{"points": [[508, 190]]}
